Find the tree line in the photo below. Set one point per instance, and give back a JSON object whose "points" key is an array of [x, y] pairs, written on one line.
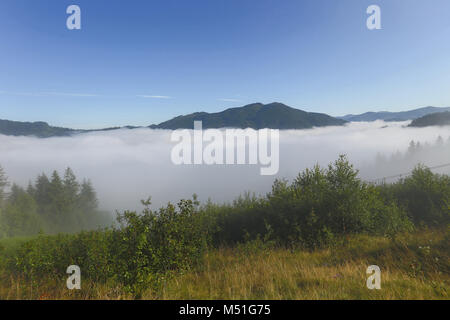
{"points": [[49, 205]]}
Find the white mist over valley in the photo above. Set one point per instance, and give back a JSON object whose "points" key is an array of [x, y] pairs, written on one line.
{"points": [[126, 166]]}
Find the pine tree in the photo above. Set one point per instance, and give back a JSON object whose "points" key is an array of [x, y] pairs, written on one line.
{"points": [[412, 147], [31, 190], [42, 194], [88, 196], [71, 188], [57, 202], [15, 194], [3, 184]]}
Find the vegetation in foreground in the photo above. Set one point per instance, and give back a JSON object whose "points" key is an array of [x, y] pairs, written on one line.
{"points": [[312, 238], [414, 266]]}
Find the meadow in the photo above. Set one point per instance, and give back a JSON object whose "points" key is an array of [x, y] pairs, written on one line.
{"points": [[414, 266]]}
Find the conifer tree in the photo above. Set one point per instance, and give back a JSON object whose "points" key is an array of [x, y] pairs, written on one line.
{"points": [[3, 185]]}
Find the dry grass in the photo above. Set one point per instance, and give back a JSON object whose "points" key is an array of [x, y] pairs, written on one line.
{"points": [[281, 274], [414, 267]]}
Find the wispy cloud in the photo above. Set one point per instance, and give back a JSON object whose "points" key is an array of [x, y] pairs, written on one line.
{"points": [[46, 94], [70, 94], [230, 100], [77, 94], [154, 97]]}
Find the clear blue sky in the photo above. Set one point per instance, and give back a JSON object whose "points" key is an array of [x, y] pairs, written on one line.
{"points": [[143, 62]]}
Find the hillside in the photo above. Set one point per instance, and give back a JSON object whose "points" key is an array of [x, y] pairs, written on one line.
{"points": [[256, 116], [44, 130], [38, 129], [393, 116], [435, 119]]}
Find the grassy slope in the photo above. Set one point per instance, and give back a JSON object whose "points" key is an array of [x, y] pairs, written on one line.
{"points": [[415, 266]]}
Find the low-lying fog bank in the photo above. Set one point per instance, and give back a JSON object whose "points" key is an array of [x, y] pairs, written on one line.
{"points": [[126, 166]]}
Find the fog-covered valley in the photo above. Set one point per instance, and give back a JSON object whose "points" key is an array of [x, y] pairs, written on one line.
{"points": [[126, 166]]}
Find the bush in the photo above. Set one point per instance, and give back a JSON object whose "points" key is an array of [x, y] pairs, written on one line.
{"points": [[424, 195], [320, 205], [150, 246], [144, 250]]}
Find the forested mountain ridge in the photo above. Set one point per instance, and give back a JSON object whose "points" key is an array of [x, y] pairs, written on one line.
{"points": [[435, 119], [256, 116], [39, 129], [393, 116], [42, 129]]}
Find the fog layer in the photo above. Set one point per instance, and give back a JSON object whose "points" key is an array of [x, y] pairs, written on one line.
{"points": [[126, 166]]}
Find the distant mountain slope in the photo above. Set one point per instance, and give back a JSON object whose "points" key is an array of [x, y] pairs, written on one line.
{"points": [[38, 129], [44, 130], [435, 119], [394, 116], [256, 116]]}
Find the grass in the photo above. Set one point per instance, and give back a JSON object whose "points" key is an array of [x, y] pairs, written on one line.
{"points": [[414, 266]]}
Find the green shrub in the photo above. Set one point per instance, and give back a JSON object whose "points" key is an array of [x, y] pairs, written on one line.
{"points": [[145, 249], [154, 244], [319, 206], [424, 195]]}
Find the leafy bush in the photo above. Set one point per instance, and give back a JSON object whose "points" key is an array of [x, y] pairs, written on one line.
{"points": [[424, 195], [154, 244], [144, 250], [317, 207]]}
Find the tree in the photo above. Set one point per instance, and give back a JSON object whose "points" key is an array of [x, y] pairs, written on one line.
{"points": [[19, 217], [15, 193], [3, 184], [425, 195], [42, 192], [58, 205], [71, 188], [88, 197], [31, 190]]}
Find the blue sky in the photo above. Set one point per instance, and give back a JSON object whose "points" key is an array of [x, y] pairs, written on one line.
{"points": [[142, 62]]}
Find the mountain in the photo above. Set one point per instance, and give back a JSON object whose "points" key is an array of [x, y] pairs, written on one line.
{"points": [[257, 116], [434, 119], [394, 116], [38, 129], [43, 129]]}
